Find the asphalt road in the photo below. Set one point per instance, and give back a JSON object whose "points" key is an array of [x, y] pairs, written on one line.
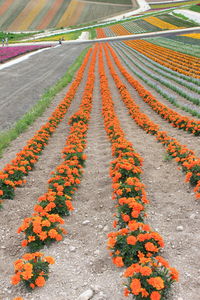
{"points": [[22, 84]]}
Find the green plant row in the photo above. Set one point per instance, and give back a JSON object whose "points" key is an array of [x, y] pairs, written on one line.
{"points": [[168, 84], [38, 109], [158, 89], [194, 81], [185, 48]]}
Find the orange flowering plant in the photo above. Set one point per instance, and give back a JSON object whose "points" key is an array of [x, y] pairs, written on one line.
{"points": [[13, 173], [32, 270], [40, 230], [128, 242], [150, 279], [7, 187]]}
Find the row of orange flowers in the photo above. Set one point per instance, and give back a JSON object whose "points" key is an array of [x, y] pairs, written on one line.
{"points": [[185, 157], [135, 245], [44, 226], [179, 62], [12, 175], [177, 120], [182, 63]]}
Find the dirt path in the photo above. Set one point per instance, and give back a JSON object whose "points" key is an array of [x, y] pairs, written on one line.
{"points": [[37, 74]]}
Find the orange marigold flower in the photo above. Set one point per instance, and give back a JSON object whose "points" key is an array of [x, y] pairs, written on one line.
{"points": [[155, 296], [161, 260], [59, 237], [118, 261], [1, 192], [50, 260], [24, 243], [18, 298], [40, 281], [31, 238], [69, 205], [27, 256], [130, 271], [43, 235], [188, 176], [32, 285], [156, 282], [114, 224], [126, 292], [145, 271], [119, 192], [52, 233], [144, 293], [150, 247], [15, 279], [27, 274], [46, 223], [111, 242], [126, 218], [131, 240], [135, 286], [174, 274]]}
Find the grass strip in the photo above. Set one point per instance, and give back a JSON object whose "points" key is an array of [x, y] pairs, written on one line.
{"points": [[37, 110]]}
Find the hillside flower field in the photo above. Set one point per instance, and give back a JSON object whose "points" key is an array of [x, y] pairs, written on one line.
{"points": [[100, 191], [7, 52], [111, 108]]}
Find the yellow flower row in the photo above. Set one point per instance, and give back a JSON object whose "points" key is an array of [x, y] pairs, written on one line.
{"points": [[159, 23], [193, 35]]}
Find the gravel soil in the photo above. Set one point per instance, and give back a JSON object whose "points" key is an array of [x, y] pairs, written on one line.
{"points": [[82, 259]]}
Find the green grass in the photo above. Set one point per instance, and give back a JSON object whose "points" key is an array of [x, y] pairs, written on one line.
{"points": [[184, 18], [195, 8], [176, 4], [38, 109], [15, 36], [56, 37]]}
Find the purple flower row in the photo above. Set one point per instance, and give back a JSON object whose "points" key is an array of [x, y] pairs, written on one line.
{"points": [[7, 53]]}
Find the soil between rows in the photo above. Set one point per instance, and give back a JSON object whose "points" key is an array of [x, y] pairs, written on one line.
{"points": [[89, 265]]}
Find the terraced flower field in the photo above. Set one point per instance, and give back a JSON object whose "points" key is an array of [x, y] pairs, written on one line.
{"points": [[107, 182], [21, 15]]}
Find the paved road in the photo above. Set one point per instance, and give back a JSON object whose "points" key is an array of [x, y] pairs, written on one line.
{"points": [[22, 84]]}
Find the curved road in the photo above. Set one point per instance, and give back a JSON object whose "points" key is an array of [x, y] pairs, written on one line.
{"points": [[22, 84]]}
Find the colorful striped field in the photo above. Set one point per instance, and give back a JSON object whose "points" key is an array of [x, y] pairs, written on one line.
{"points": [[23, 15]]}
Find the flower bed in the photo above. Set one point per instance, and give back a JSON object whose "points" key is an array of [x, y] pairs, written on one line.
{"points": [[134, 245], [182, 63], [7, 53], [13, 174], [43, 227], [185, 157]]}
